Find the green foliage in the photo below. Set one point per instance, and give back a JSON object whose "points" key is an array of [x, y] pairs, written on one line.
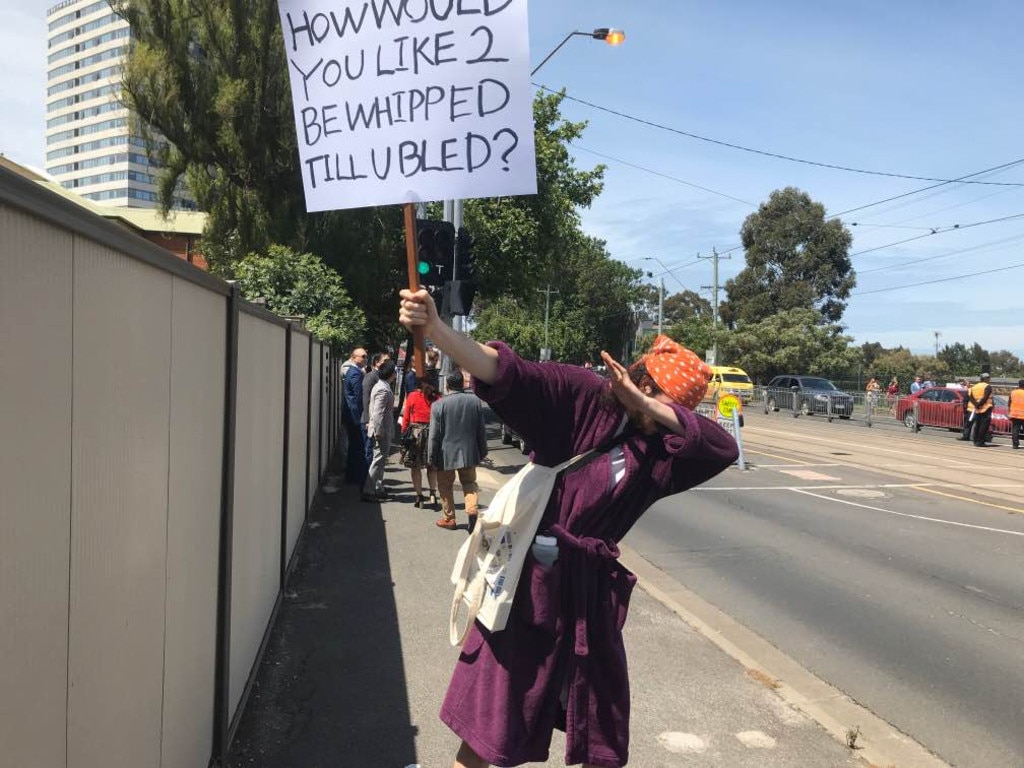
{"points": [[209, 80], [796, 259], [791, 341], [592, 311], [697, 333], [685, 306], [295, 285], [522, 242]]}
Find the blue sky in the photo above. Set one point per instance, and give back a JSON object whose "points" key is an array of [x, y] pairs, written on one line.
{"points": [[919, 88]]}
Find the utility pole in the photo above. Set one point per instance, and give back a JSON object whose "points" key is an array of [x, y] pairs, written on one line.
{"points": [[661, 305], [937, 334], [714, 300], [545, 354]]}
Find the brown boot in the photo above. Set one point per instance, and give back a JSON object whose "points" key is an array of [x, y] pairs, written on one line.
{"points": [[446, 523]]}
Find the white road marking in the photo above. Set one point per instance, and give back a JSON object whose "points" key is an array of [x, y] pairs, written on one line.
{"points": [[706, 488], [756, 740], [682, 743], [797, 466], [808, 474], [907, 514]]}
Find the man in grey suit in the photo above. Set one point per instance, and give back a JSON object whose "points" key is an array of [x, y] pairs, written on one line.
{"points": [[457, 443], [379, 431]]}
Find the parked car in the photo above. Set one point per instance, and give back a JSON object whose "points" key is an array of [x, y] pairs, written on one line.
{"points": [[808, 395], [943, 407], [510, 437], [731, 381]]}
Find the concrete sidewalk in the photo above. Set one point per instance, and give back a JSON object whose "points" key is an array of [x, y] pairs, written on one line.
{"points": [[359, 659]]}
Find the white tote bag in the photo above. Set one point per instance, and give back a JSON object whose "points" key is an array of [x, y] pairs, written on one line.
{"points": [[489, 563]]}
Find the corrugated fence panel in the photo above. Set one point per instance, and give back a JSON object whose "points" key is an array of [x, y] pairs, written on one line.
{"points": [[35, 480], [314, 437], [259, 448], [297, 440], [326, 397], [198, 354], [120, 435]]}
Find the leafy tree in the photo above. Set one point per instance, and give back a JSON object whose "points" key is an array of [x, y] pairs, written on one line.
{"points": [[870, 352], [521, 243], [1005, 363], [790, 341], [957, 357], [796, 259], [294, 285], [209, 79], [697, 333], [579, 327], [685, 306]]}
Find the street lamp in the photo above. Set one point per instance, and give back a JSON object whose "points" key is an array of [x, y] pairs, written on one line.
{"points": [[609, 35]]}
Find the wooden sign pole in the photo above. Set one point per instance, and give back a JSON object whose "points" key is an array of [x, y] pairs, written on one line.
{"points": [[414, 284]]}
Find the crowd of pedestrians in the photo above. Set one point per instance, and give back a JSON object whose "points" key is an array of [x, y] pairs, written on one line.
{"points": [[443, 438]]}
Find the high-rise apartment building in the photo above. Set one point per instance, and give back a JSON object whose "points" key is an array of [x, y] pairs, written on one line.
{"points": [[90, 148]]}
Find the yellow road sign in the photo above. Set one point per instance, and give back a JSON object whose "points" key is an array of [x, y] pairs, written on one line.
{"points": [[727, 404]]}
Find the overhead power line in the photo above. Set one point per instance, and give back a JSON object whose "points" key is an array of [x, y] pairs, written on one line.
{"points": [[766, 153], [940, 280], [961, 180], [662, 175], [957, 252], [939, 231]]}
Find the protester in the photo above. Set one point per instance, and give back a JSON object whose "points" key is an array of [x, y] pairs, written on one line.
{"points": [[979, 403], [560, 661], [916, 386], [1017, 414], [380, 427], [352, 416], [457, 443], [415, 433]]}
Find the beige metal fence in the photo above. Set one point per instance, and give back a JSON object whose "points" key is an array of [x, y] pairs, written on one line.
{"points": [[160, 443]]}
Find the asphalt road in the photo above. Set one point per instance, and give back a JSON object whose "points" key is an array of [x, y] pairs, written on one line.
{"points": [[889, 564]]}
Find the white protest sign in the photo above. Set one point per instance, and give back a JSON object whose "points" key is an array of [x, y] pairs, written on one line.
{"points": [[400, 101]]}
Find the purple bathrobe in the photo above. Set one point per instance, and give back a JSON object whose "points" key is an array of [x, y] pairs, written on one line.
{"points": [[563, 641]]}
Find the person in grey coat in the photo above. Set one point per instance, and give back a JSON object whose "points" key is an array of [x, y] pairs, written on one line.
{"points": [[380, 429], [457, 442]]}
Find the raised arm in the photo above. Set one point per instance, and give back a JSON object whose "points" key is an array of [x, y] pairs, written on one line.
{"points": [[419, 311]]}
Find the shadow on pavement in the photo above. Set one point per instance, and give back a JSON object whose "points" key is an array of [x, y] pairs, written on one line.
{"points": [[331, 690]]}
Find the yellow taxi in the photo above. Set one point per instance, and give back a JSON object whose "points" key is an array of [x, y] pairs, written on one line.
{"points": [[726, 379]]}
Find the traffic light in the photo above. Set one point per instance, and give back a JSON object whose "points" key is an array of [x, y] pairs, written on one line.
{"points": [[463, 290], [435, 249]]}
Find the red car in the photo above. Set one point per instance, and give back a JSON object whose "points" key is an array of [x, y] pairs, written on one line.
{"points": [[944, 407]]}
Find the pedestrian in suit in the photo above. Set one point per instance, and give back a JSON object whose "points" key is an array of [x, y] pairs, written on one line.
{"points": [[352, 416], [380, 429], [369, 380], [457, 443]]}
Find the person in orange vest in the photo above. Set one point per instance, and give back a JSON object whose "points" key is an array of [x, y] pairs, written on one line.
{"points": [[979, 403], [1017, 413]]}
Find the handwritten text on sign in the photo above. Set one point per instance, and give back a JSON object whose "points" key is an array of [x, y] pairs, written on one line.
{"points": [[410, 100]]}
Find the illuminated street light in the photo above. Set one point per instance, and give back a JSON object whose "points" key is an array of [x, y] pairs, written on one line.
{"points": [[608, 34]]}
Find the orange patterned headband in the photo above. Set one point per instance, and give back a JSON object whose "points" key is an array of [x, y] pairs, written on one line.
{"points": [[678, 372]]}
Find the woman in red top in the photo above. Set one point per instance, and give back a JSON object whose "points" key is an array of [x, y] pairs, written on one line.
{"points": [[892, 392], [415, 420]]}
